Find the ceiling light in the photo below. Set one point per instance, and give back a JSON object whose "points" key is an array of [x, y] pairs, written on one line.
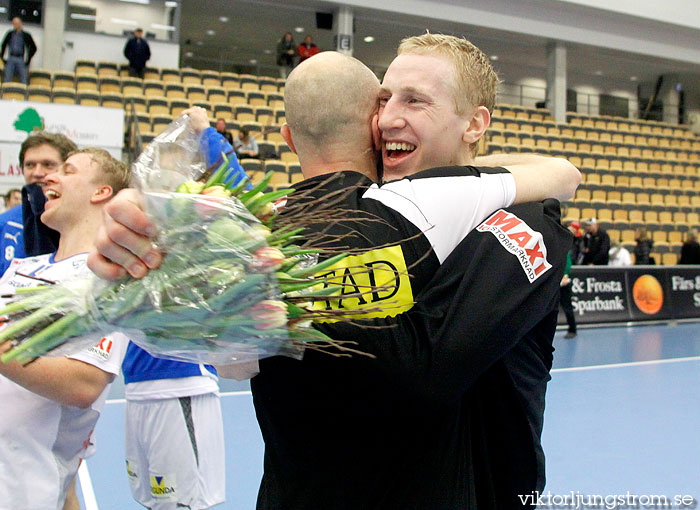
{"points": [[3, 9], [88, 17], [494, 57], [299, 29], [211, 32], [199, 43], [253, 61], [599, 73], [157, 26], [189, 54], [142, 2], [369, 38], [633, 78], [223, 19], [130, 22], [267, 52], [171, 4]]}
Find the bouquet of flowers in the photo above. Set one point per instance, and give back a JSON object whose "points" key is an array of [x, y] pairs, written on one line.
{"points": [[233, 286]]}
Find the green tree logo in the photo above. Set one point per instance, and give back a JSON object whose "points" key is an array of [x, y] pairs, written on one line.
{"points": [[29, 120]]}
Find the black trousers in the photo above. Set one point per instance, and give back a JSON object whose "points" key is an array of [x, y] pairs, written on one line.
{"points": [[565, 301]]}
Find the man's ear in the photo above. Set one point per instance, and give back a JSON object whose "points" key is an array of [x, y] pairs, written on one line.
{"points": [[477, 125], [287, 135], [102, 194], [376, 134]]}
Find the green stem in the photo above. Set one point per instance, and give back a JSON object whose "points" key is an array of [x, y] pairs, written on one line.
{"points": [[54, 330]]}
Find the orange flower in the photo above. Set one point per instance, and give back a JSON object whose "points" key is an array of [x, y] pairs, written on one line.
{"points": [[269, 314], [267, 258]]}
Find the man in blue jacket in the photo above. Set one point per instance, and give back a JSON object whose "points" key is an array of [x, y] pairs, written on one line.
{"points": [[21, 50], [137, 52]]}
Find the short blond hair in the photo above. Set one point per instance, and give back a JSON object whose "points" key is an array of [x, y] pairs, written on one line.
{"points": [[475, 79], [115, 173]]}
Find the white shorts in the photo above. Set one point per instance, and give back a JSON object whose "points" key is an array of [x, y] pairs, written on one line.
{"points": [[175, 452]]}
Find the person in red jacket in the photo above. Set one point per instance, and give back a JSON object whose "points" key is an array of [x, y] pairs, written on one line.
{"points": [[307, 49]]}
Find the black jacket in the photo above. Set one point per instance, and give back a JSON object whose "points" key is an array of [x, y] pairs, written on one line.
{"points": [[137, 52], [690, 253], [29, 46], [598, 245], [448, 413]]}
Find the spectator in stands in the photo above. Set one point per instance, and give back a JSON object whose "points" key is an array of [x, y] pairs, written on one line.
{"points": [[21, 50], [690, 251], [577, 250], [40, 155], [245, 145], [285, 54], [619, 255], [596, 244], [307, 49], [137, 52], [643, 249], [221, 129], [13, 198]]}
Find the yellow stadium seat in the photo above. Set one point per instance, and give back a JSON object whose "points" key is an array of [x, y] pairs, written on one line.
{"points": [[86, 66], [132, 86], [110, 84], [153, 88], [40, 77], [62, 79], [107, 69], [85, 82], [39, 94], [14, 91], [63, 95], [211, 79]]}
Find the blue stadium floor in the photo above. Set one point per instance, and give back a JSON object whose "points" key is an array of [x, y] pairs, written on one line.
{"points": [[623, 414]]}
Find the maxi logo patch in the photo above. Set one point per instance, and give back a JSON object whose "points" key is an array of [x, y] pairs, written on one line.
{"points": [[518, 238], [163, 487], [103, 349]]}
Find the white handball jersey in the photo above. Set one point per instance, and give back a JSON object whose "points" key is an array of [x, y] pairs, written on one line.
{"points": [[42, 441]]}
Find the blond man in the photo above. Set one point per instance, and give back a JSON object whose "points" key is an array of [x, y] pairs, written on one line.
{"points": [[50, 406]]}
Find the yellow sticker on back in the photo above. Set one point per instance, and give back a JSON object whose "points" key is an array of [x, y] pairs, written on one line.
{"points": [[376, 280]]}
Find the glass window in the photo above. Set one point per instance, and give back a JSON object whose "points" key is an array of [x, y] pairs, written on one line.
{"points": [[155, 17]]}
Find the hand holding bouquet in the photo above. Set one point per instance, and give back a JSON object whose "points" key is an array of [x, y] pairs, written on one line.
{"points": [[232, 286]]}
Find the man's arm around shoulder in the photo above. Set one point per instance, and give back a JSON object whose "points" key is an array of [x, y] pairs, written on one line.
{"points": [[537, 177]]}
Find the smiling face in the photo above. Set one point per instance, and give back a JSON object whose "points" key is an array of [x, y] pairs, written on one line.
{"points": [[417, 117], [70, 190]]}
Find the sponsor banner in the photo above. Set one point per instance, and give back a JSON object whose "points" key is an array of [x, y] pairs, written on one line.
{"points": [[649, 296], [599, 295], [636, 293], [684, 289], [85, 125]]}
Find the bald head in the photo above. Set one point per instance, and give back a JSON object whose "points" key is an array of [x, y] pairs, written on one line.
{"points": [[330, 98]]}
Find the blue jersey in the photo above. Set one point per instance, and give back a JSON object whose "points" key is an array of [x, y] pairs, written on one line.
{"points": [[11, 237], [214, 146], [139, 366]]}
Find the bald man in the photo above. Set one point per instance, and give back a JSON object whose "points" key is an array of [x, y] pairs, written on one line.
{"points": [[346, 433]]}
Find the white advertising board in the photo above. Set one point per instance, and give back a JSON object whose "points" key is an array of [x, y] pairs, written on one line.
{"points": [[85, 125]]}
